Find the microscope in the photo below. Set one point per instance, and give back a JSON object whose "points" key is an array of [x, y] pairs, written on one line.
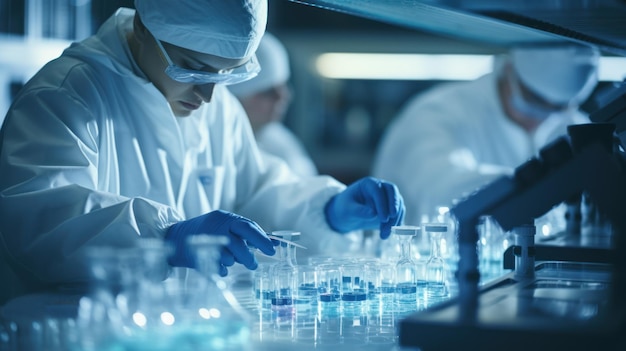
{"points": [[568, 295]]}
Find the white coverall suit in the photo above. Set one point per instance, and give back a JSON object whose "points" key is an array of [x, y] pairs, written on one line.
{"points": [[276, 139], [455, 138], [101, 160]]}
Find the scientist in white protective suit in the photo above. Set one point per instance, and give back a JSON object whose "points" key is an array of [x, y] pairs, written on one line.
{"points": [[132, 133], [457, 137], [266, 98]]}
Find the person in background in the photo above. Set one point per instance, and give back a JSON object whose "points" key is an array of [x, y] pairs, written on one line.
{"points": [[266, 98], [458, 137], [132, 133]]}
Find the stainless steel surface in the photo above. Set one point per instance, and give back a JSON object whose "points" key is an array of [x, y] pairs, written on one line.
{"points": [[597, 22]]}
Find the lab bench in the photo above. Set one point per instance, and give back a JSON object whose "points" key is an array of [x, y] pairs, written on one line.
{"points": [[48, 321]]}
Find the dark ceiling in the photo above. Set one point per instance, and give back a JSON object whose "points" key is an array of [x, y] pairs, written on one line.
{"points": [[284, 16], [506, 23]]}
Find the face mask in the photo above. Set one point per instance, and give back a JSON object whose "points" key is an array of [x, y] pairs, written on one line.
{"points": [[525, 107]]}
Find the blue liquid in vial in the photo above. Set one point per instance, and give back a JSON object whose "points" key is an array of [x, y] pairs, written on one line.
{"points": [[353, 302], [405, 298], [328, 304], [283, 305]]}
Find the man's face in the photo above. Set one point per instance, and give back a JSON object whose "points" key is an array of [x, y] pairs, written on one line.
{"points": [[183, 98]]}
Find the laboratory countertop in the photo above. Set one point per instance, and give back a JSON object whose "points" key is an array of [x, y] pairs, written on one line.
{"points": [[28, 321]]}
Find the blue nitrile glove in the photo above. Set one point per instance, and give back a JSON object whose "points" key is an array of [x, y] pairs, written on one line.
{"points": [[239, 230], [368, 203]]}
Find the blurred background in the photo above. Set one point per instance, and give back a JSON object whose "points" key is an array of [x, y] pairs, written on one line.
{"points": [[341, 103]]}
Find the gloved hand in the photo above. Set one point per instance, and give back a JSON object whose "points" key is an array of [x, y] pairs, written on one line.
{"points": [[239, 230], [368, 203]]}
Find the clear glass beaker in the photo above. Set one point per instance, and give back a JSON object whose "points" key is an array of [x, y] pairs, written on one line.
{"points": [[329, 285], [306, 288], [380, 287], [217, 321], [191, 309], [353, 289], [101, 312]]}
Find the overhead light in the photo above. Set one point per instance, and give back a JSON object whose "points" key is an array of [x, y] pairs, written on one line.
{"points": [[429, 66], [402, 66], [612, 69]]}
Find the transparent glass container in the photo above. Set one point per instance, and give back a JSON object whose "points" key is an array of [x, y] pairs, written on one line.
{"points": [[283, 274], [406, 270], [177, 308], [329, 286], [353, 289], [306, 288], [437, 289], [216, 317], [380, 286], [102, 311]]}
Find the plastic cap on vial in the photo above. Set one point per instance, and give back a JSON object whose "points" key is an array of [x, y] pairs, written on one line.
{"points": [[353, 296], [436, 227], [405, 230], [329, 297]]}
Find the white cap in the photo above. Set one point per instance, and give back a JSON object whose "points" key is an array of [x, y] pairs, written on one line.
{"points": [[405, 230], [274, 61], [561, 74], [225, 28]]}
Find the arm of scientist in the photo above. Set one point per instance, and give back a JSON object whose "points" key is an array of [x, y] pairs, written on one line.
{"points": [[65, 188]]}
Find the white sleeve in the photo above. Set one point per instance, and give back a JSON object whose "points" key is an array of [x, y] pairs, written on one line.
{"points": [[50, 208]]}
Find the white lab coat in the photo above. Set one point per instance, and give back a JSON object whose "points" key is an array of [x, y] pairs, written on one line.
{"points": [[276, 139], [453, 139], [91, 154]]}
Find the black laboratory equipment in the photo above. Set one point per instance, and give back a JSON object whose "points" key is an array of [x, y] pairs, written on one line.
{"points": [[568, 295]]}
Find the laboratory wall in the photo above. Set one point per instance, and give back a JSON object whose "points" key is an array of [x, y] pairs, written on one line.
{"points": [[339, 120]]}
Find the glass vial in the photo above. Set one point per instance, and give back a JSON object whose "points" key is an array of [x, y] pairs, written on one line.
{"points": [[211, 317], [436, 289], [406, 270], [284, 274]]}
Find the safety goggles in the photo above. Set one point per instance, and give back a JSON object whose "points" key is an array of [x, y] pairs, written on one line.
{"points": [[226, 76]]}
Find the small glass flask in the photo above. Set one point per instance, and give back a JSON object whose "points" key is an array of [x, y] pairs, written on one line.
{"points": [[182, 308], [215, 319], [406, 270], [102, 311], [436, 289]]}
